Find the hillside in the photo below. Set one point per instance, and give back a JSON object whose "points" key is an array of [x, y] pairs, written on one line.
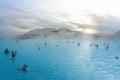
{"points": [[62, 33], [50, 33], [116, 35]]}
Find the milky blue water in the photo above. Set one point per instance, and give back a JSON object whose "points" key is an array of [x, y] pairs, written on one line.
{"points": [[60, 60]]}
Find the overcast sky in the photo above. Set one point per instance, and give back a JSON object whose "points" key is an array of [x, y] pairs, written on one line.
{"points": [[88, 16]]}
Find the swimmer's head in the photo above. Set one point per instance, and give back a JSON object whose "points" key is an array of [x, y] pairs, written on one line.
{"points": [[116, 57], [25, 65]]}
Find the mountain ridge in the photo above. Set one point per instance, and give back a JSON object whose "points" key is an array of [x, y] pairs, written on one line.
{"points": [[62, 33]]}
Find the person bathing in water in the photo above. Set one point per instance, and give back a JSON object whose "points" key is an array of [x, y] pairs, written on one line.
{"points": [[7, 51], [24, 68], [116, 57], [13, 55]]}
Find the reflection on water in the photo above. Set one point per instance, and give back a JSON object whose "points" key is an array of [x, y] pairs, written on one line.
{"points": [[61, 60]]}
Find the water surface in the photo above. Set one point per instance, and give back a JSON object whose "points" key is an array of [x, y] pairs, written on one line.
{"points": [[60, 60]]}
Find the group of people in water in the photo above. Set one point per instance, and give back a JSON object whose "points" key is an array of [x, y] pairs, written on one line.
{"points": [[25, 67], [97, 46], [13, 55]]}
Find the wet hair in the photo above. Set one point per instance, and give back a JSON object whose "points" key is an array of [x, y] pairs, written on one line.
{"points": [[25, 65]]}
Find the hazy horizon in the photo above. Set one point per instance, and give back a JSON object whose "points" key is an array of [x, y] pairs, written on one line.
{"points": [[87, 16]]}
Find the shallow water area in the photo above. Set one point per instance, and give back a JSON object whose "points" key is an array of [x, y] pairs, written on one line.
{"points": [[60, 59]]}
